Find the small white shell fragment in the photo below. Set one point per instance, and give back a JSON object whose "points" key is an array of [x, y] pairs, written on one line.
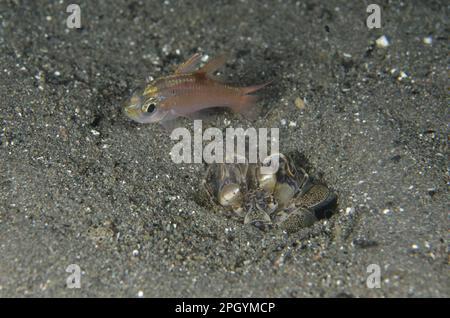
{"points": [[349, 210], [428, 40], [382, 41], [402, 76], [205, 58], [166, 49]]}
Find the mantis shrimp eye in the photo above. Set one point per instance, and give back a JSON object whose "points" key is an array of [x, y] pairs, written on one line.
{"points": [[230, 195]]}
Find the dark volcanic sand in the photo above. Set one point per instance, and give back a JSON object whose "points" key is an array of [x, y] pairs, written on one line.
{"points": [[82, 184]]}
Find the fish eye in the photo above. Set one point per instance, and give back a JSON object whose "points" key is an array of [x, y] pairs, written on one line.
{"points": [[150, 108]]}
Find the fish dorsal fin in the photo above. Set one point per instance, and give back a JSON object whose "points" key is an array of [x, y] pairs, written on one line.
{"points": [[190, 65], [214, 65]]}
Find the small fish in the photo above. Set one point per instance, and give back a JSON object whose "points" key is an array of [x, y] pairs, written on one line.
{"points": [[188, 92]]}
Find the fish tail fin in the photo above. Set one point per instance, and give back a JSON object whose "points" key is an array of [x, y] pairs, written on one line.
{"points": [[246, 106], [254, 88]]}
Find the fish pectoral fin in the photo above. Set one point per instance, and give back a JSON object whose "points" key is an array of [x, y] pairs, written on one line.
{"points": [[214, 64], [190, 65]]}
